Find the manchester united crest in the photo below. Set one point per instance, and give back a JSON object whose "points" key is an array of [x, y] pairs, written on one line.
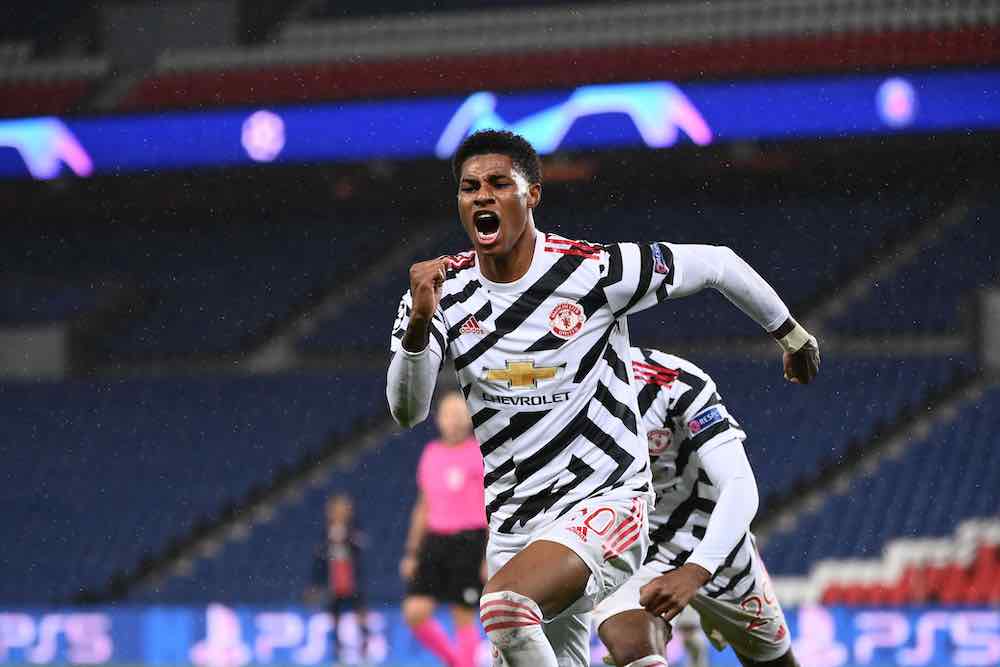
{"points": [[566, 319], [659, 441]]}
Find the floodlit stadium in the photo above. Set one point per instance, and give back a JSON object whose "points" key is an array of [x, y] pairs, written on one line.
{"points": [[210, 211]]}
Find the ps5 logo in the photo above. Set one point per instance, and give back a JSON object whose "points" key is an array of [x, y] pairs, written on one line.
{"points": [[658, 109], [45, 144]]}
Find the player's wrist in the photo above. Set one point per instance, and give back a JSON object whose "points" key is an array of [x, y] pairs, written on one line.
{"points": [[698, 571], [792, 336], [417, 338]]}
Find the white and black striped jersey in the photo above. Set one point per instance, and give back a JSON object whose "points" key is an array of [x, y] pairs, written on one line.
{"points": [[544, 366], [684, 419]]}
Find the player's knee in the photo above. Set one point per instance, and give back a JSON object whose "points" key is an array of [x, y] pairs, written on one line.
{"points": [[648, 661], [634, 638], [637, 654], [786, 660], [416, 610], [509, 618]]}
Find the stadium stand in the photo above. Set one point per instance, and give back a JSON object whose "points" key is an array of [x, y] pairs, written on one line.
{"points": [[206, 288], [928, 294], [188, 449], [959, 568], [455, 51], [364, 324], [928, 491], [108, 473], [117, 467], [33, 300], [771, 237], [785, 441], [35, 79], [39, 88], [273, 563]]}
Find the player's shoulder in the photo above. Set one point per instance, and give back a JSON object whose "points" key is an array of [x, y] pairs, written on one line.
{"points": [[460, 261], [459, 266], [557, 245], [635, 257], [665, 364], [652, 367]]}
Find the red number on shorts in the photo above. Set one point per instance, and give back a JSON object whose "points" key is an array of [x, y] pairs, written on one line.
{"points": [[754, 605], [608, 520]]}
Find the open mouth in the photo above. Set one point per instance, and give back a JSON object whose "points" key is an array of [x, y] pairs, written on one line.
{"points": [[487, 226]]}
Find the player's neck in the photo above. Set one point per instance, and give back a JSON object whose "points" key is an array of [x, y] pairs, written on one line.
{"points": [[513, 265]]}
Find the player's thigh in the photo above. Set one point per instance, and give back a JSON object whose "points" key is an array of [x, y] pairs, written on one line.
{"points": [[610, 535], [551, 574], [577, 560], [754, 625], [569, 635]]}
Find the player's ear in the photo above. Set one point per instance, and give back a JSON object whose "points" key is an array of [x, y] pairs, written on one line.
{"points": [[534, 195]]}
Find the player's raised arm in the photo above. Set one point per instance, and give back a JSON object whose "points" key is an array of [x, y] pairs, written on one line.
{"points": [[418, 345], [640, 276]]}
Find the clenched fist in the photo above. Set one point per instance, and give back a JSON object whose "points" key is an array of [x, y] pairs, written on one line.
{"points": [[426, 280], [802, 365]]}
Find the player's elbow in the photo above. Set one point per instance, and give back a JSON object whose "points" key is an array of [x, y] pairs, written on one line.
{"points": [[407, 415], [723, 261], [750, 496], [728, 256]]}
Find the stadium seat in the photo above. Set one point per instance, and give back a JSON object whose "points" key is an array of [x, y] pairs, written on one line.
{"points": [[924, 295], [97, 473], [927, 492]]}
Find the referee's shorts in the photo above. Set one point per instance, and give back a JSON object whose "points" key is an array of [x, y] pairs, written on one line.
{"points": [[448, 567]]}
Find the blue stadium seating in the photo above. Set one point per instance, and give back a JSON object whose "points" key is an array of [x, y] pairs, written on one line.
{"points": [[927, 293], [28, 299], [274, 564], [772, 238], [951, 475], [366, 323], [206, 289], [791, 431], [98, 473]]}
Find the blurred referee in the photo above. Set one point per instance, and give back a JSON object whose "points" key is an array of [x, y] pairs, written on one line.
{"points": [[446, 543]]}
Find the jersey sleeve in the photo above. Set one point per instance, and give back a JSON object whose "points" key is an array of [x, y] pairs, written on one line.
{"points": [[438, 345], [643, 275], [703, 419], [638, 276]]}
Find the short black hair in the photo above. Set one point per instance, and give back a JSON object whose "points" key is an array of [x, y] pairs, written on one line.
{"points": [[502, 142]]}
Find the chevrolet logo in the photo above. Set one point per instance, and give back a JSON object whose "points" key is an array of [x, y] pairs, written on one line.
{"points": [[521, 374]]}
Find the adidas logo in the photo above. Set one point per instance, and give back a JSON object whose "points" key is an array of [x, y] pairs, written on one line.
{"points": [[471, 326]]}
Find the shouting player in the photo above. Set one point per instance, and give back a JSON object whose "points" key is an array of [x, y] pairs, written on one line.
{"points": [[535, 325], [702, 552]]}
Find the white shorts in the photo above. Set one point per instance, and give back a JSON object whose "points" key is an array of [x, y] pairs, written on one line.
{"points": [[754, 625], [610, 534]]}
